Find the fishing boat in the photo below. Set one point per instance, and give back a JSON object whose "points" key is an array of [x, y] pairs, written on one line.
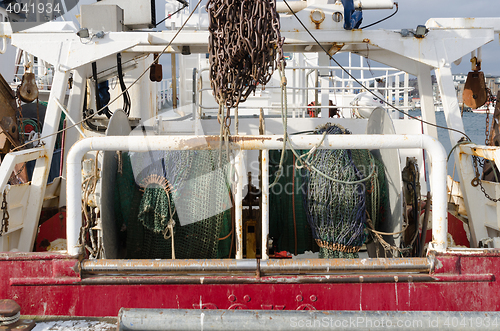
{"points": [[279, 191]]}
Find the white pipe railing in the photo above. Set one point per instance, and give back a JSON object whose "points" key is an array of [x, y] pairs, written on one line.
{"points": [[4, 45], [11, 159], [144, 144], [264, 198], [239, 160]]}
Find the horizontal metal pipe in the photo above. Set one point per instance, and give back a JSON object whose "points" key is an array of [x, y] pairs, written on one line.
{"points": [[168, 266], [296, 6], [374, 4], [274, 266], [262, 320], [300, 279], [304, 107], [143, 144]]}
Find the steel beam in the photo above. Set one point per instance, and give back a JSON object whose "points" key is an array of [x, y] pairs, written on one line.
{"points": [[180, 319]]}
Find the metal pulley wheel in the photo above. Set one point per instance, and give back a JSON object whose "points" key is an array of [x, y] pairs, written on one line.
{"points": [[28, 91]]}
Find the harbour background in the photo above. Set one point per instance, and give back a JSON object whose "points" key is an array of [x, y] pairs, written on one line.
{"points": [[474, 124]]}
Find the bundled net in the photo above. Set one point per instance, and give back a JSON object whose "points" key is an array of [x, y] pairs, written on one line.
{"points": [[288, 225], [243, 46], [337, 207], [174, 204]]}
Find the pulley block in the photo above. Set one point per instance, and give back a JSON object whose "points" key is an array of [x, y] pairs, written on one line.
{"points": [[28, 91], [475, 94]]}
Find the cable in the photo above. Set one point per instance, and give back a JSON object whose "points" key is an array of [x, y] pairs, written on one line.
{"points": [[94, 77], [380, 21], [363, 86], [175, 12], [118, 96], [126, 95], [87, 124]]}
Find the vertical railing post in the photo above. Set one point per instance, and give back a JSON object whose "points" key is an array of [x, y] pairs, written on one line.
{"points": [[238, 203], [265, 202]]}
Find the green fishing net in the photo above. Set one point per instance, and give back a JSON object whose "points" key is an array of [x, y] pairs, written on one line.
{"points": [[288, 226], [201, 216], [337, 206]]}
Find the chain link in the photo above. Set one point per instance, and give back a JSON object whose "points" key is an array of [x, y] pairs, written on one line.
{"points": [[20, 112], [487, 128], [477, 162], [476, 181], [5, 218], [245, 46], [14, 178]]}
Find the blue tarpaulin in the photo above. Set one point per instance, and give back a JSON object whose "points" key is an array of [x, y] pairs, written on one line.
{"points": [[352, 17]]}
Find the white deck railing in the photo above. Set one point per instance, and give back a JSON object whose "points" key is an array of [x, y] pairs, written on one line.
{"points": [[264, 143]]}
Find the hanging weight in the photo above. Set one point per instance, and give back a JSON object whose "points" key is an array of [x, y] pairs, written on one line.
{"points": [[155, 72]]}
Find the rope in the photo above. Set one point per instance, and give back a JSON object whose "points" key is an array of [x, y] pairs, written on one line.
{"points": [[10, 319], [284, 121], [454, 147], [169, 233], [388, 247]]}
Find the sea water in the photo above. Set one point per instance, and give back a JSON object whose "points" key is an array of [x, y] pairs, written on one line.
{"points": [[474, 124]]}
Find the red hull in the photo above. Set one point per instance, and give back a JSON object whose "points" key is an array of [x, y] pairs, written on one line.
{"points": [[46, 284]]}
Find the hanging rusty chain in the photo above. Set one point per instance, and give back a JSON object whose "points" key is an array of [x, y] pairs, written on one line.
{"points": [[245, 47], [5, 218], [476, 181], [20, 112], [489, 99]]}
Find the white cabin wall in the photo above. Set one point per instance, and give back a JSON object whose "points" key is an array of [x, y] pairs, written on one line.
{"points": [[185, 72], [8, 58]]}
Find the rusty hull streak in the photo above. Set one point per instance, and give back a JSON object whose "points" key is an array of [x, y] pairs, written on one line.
{"points": [[470, 252], [25, 256]]}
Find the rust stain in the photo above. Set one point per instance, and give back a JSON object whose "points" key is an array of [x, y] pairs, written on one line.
{"points": [[317, 17], [366, 40], [201, 143], [237, 139]]}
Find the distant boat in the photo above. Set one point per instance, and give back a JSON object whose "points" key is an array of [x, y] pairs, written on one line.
{"points": [[484, 108]]}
